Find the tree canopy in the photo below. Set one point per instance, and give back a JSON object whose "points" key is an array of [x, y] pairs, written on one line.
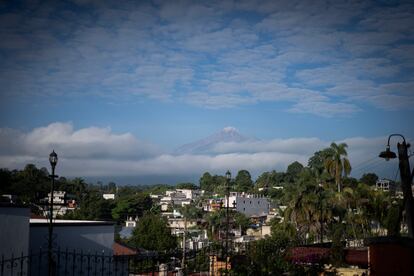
{"points": [[133, 205], [153, 233], [337, 164], [186, 185], [293, 171], [243, 181], [369, 179]]}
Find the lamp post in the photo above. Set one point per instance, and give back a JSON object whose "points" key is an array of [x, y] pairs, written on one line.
{"points": [[406, 179], [228, 178], [319, 192], [53, 158]]}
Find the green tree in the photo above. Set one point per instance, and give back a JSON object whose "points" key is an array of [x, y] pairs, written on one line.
{"points": [[134, 205], [265, 257], [152, 233], [219, 184], [187, 185], [369, 179], [243, 181], [94, 207], [241, 221], [293, 171], [350, 182], [215, 220], [316, 163], [31, 184], [111, 188], [206, 182], [79, 188], [309, 209], [268, 180], [337, 164], [159, 189], [191, 212]]}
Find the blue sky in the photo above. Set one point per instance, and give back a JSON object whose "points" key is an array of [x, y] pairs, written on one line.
{"points": [[133, 80]]}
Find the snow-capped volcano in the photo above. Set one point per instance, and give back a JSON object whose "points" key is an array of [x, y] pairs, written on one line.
{"points": [[207, 145]]}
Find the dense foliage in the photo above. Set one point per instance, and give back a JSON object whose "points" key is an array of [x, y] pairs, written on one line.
{"points": [[319, 201], [153, 233]]}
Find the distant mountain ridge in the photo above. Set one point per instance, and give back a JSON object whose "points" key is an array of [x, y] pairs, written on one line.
{"points": [[206, 145]]}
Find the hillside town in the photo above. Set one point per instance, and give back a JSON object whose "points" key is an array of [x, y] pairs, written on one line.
{"points": [[221, 220], [206, 138]]}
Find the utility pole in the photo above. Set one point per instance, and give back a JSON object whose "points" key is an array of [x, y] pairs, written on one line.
{"points": [[228, 177], [406, 179], [184, 243], [53, 158]]}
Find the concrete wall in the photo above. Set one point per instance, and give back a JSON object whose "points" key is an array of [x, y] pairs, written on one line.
{"points": [[88, 238], [14, 239], [14, 231], [391, 256], [89, 247]]}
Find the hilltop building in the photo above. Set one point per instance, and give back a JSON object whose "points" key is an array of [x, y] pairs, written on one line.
{"points": [[62, 203], [385, 185], [108, 196], [178, 197], [248, 204]]}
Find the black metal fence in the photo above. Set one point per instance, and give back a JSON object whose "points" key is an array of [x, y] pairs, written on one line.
{"points": [[253, 259], [66, 262], [73, 263]]}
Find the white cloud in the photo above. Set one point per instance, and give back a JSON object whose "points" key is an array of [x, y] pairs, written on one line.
{"points": [[325, 109], [298, 146], [91, 142], [216, 101], [98, 152], [210, 52]]}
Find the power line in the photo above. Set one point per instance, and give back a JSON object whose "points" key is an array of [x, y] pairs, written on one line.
{"points": [[369, 166], [396, 174], [364, 162]]}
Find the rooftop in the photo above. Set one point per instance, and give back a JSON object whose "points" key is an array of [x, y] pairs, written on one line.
{"points": [[63, 222]]}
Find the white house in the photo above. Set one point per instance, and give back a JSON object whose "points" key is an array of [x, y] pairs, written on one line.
{"points": [[61, 203], [385, 185], [58, 197], [108, 196], [178, 197], [248, 204], [212, 205], [191, 194], [131, 221]]}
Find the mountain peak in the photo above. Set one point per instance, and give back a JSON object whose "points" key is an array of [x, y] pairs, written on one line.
{"points": [[230, 129], [206, 145]]}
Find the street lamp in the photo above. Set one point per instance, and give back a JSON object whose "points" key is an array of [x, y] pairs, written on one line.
{"points": [[228, 178], [319, 191], [406, 179], [53, 159]]}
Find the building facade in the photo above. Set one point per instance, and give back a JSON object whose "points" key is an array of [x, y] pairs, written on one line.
{"points": [[248, 204]]}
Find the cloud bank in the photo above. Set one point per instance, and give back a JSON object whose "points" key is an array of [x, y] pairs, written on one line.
{"points": [[98, 152]]}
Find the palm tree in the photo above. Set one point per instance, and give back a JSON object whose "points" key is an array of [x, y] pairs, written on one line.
{"points": [[304, 210], [337, 164]]}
